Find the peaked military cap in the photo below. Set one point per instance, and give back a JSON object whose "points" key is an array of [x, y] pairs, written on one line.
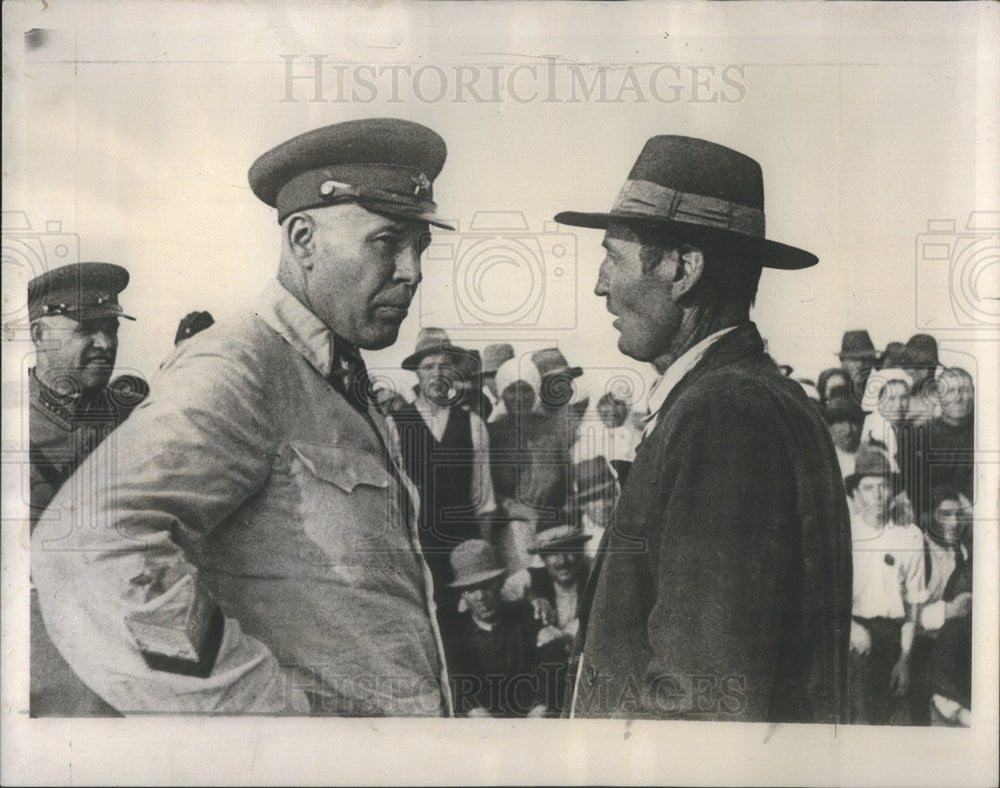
{"points": [[82, 291], [384, 164]]}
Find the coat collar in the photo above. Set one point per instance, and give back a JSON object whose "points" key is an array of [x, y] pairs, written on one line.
{"points": [[304, 331]]}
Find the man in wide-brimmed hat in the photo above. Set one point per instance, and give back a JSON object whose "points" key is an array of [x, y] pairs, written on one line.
{"points": [[729, 555], [493, 652], [888, 589], [446, 451], [920, 359], [858, 356]]}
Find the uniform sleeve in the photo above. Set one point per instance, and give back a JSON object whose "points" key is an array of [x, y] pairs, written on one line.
{"points": [[110, 559], [719, 562]]}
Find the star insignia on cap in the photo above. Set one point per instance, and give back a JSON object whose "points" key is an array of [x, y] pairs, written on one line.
{"points": [[422, 183]]}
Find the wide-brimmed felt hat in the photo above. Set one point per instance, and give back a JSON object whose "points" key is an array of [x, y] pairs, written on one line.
{"points": [[495, 355], [81, 291], [704, 190], [430, 341], [843, 408], [474, 562], [559, 539], [857, 344], [869, 461], [386, 165], [894, 355], [921, 350], [551, 361]]}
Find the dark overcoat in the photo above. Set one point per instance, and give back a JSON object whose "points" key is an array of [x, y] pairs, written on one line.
{"points": [[723, 588]]}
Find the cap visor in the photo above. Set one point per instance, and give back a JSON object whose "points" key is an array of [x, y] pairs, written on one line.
{"points": [[769, 254], [478, 579]]}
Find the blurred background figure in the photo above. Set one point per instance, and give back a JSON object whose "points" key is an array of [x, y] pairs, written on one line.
{"points": [[471, 392], [191, 324], [845, 418], [445, 450], [619, 438], [945, 554], [512, 460], [493, 357], [920, 360], [492, 646], [857, 358], [952, 433], [595, 493], [894, 355], [833, 382]]}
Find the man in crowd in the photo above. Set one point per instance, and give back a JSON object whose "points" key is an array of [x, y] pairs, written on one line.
{"points": [[446, 452], [256, 547], [729, 553], [493, 357], [74, 313], [493, 651], [952, 434], [857, 358], [920, 360], [844, 417], [889, 588], [945, 554]]}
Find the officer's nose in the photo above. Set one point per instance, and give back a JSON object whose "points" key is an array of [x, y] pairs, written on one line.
{"points": [[103, 340], [601, 288]]}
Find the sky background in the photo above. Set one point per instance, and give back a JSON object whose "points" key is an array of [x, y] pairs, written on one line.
{"points": [[135, 127]]}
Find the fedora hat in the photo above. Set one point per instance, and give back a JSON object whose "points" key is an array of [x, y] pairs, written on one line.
{"points": [[894, 355], [551, 361], [921, 350], [706, 190], [474, 562], [429, 341], [495, 355], [869, 462], [559, 538], [857, 344]]}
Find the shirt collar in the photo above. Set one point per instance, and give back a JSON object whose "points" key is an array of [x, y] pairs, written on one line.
{"points": [[673, 375], [304, 331]]}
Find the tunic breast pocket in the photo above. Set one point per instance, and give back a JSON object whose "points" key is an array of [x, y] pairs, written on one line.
{"points": [[347, 502]]}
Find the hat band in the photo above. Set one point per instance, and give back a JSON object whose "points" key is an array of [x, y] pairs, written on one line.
{"points": [[645, 198]]}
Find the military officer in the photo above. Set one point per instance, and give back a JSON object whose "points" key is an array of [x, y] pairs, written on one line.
{"points": [[74, 313], [258, 549]]}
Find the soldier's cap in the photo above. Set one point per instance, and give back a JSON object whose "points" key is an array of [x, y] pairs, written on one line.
{"points": [[386, 165], [82, 291]]}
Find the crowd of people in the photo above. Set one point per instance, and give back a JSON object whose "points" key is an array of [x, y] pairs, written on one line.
{"points": [[292, 535]]}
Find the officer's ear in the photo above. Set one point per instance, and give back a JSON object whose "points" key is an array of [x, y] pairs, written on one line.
{"points": [[38, 332], [300, 237], [689, 265]]}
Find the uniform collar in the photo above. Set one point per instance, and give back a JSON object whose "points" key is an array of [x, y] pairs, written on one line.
{"points": [[304, 331]]}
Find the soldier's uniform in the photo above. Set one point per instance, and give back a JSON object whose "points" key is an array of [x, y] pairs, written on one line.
{"points": [[65, 427]]}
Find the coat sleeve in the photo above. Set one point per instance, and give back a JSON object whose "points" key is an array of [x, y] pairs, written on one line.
{"points": [[719, 562], [119, 595]]}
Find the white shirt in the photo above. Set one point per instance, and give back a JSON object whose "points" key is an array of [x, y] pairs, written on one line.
{"points": [[436, 420], [675, 373], [888, 569]]}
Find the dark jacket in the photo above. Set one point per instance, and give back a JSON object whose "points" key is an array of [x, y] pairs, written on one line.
{"points": [[723, 588]]}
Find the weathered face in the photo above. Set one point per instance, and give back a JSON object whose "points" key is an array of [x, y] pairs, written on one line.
{"points": [[949, 521], [519, 398], [956, 396], [561, 566], [76, 354], [894, 401], [852, 366], [846, 435], [647, 317], [872, 498], [438, 377], [484, 600], [365, 271]]}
